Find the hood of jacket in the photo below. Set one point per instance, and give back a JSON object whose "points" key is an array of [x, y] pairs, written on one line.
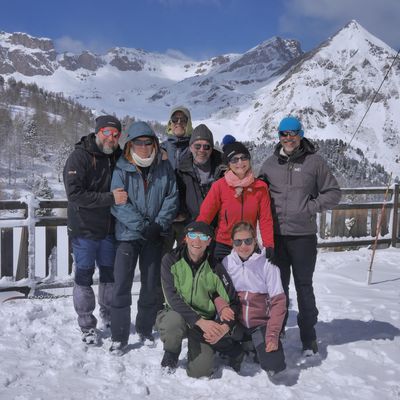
{"points": [[189, 127]]}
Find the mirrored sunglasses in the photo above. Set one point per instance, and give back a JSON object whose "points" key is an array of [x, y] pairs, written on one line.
{"points": [[239, 242], [138, 142], [288, 133], [198, 146], [176, 120], [235, 160], [108, 133], [202, 236]]}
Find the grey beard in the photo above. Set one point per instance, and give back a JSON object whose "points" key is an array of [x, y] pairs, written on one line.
{"points": [[106, 150]]}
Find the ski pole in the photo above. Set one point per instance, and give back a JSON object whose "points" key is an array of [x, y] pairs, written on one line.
{"points": [[378, 229]]}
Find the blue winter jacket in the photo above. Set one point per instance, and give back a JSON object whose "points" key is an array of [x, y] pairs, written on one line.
{"points": [[157, 203]]}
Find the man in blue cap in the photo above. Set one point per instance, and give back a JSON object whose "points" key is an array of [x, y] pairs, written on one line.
{"points": [[301, 185]]}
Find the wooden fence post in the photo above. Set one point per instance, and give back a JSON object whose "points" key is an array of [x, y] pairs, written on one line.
{"points": [[395, 225], [22, 264]]}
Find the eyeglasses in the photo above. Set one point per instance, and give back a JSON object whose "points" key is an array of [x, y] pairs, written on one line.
{"points": [[176, 120], [198, 146], [235, 160], [239, 242], [202, 236], [108, 133], [288, 133], [138, 142]]}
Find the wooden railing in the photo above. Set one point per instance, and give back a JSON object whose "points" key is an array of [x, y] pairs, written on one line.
{"points": [[353, 223]]}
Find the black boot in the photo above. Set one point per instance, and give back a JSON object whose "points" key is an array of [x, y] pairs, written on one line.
{"points": [[170, 361]]}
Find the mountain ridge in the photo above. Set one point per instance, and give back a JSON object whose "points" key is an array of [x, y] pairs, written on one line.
{"points": [[330, 87]]}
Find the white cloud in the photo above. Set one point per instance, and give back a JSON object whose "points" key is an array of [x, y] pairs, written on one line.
{"points": [[321, 18], [67, 44], [177, 54]]}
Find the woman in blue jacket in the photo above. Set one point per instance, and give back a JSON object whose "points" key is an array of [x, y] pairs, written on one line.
{"points": [[140, 225]]}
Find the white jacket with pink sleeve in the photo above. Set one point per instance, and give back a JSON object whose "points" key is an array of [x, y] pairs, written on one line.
{"points": [[259, 287]]}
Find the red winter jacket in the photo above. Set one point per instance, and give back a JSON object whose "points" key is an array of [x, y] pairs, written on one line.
{"points": [[252, 206]]}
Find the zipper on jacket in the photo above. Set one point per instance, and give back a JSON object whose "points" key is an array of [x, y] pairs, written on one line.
{"points": [[242, 200], [290, 168], [246, 307], [195, 282]]}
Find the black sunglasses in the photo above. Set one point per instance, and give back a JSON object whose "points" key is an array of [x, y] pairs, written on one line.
{"points": [[288, 133], [239, 242], [198, 146], [235, 160], [175, 120], [138, 142]]}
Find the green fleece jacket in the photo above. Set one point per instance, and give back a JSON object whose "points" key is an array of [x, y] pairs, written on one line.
{"points": [[190, 288]]}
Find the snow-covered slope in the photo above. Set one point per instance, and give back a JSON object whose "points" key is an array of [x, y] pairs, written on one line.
{"points": [[358, 334]]}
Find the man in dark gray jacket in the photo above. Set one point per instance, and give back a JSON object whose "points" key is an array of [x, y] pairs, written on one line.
{"points": [[301, 185]]}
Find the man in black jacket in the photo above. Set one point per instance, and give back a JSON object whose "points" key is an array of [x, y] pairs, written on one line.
{"points": [[87, 180], [197, 171]]}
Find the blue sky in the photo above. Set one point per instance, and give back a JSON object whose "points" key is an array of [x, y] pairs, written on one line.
{"points": [[197, 28]]}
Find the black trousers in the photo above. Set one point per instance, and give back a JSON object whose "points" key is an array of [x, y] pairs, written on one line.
{"points": [[271, 361], [150, 296], [298, 254]]}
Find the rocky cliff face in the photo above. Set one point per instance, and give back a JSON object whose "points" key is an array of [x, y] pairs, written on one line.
{"points": [[27, 55]]}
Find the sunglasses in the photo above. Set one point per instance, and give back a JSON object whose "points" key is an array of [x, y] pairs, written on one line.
{"points": [[288, 133], [108, 133], [176, 120], [239, 242], [202, 236], [139, 142], [235, 160], [199, 146]]}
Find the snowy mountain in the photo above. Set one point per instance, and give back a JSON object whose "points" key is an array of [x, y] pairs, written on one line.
{"points": [[330, 88]]}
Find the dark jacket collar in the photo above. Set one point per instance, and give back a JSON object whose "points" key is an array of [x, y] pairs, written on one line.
{"points": [[306, 147]]}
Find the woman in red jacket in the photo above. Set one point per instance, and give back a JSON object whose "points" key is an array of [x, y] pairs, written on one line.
{"points": [[238, 196]]}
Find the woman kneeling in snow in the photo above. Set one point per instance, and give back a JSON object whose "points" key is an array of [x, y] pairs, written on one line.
{"points": [[263, 301]]}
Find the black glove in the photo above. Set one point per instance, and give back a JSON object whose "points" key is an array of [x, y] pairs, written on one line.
{"points": [[269, 253], [152, 231]]}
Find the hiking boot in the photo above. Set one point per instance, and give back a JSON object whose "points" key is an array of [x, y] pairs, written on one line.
{"points": [[90, 337], [170, 361], [118, 348], [310, 348], [236, 361], [147, 339]]}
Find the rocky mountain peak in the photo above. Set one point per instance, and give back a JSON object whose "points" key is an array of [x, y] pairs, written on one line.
{"points": [[31, 42], [272, 54]]}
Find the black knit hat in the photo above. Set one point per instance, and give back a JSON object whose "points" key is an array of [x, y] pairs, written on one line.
{"points": [[201, 227], [202, 132], [107, 121], [231, 149]]}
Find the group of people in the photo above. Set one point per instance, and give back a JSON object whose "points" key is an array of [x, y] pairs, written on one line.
{"points": [[191, 217]]}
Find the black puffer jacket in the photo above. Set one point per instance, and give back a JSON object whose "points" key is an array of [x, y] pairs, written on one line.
{"points": [[300, 185], [87, 180], [191, 192]]}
